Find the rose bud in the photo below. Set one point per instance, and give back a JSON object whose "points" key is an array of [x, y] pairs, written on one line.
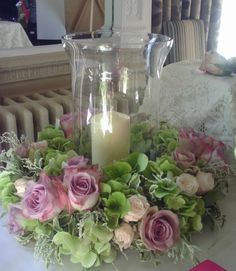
{"points": [[139, 206], [205, 181], [187, 183], [124, 236]]}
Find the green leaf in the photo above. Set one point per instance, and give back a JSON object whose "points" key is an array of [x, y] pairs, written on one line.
{"points": [[116, 170], [105, 188], [82, 247], [151, 170], [89, 259], [138, 161], [115, 186], [172, 145], [4, 180], [134, 181], [98, 262], [102, 248], [112, 221], [102, 233], [125, 178], [110, 258], [167, 164], [67, 241]]}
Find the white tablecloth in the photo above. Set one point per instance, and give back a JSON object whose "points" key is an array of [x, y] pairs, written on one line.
{"points": [[12, 35], [189, 97]]}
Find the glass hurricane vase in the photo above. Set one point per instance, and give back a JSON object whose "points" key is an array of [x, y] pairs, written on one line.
{"points": [[114, 77]]}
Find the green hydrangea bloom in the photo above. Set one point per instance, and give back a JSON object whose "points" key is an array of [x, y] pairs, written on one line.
{"points": [[7, 190], [50, 133], [166, 139], [93, 248], [167, 165]]}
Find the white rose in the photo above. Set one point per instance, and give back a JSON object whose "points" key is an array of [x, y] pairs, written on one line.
{"points": [[187, 183], [139, 206], [205, 181], [20, 186], [124, 236]]}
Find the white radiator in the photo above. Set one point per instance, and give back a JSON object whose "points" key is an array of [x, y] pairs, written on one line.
{"points": [[27, 115]]}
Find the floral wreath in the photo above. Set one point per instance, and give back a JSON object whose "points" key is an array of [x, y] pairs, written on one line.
{"points": [[151, 201]]}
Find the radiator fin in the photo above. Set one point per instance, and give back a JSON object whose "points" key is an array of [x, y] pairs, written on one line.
{"points": [[27, 115]]}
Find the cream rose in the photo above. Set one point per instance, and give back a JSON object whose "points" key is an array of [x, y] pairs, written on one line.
{"points": [[139, 206], [205, 181], [187, 183], [124, 236], [20, 186]]}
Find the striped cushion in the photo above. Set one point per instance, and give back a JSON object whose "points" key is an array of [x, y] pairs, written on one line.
{"points": [[189, 39]]}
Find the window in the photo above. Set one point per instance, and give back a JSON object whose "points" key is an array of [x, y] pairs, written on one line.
{"points": [[227, 35]]}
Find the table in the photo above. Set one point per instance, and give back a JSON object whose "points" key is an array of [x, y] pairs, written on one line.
{"points": [[13, 35], [191, 98]]}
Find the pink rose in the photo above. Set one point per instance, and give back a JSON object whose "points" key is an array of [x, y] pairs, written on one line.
{"points": [[83, 186], [205, 182], [68, 120], [124, 236], [45, 199], [205, 148], [184, 158], [190, 134], [15, 215], [159, 230], [77, 162], [139, 206]]}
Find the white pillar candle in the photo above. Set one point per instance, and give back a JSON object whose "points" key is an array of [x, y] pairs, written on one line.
{"points": [[110, 136]]}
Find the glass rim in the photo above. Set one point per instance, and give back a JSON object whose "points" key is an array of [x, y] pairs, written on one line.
{"points": [[97, 34]]}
